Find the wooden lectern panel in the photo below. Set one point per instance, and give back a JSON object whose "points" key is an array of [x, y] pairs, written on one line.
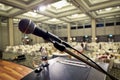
{"points": [[12, 71]]}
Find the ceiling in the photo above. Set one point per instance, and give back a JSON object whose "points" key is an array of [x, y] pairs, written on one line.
{"points": [[61, 11]]}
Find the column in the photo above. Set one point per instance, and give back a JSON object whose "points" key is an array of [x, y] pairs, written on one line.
{"points": [[93, 30], [1, 34], [104, 27], [11, 37], [68, 32]]}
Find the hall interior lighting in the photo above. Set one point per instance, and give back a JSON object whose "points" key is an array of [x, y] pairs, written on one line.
{"points": [[60, 4], [42, 8]]}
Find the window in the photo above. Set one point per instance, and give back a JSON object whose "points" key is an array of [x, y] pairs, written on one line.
{"points": [[73, 27], [100, 25], [59, 27], [87, 26], [117, 23], [109, 24], [80, 27]]}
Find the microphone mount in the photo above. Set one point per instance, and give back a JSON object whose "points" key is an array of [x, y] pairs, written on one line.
{"points": [[42, 65]]}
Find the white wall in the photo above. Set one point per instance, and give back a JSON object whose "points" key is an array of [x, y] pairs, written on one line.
{"points": [[117, 30], [4, 33], [4, 36], [17, 36], [114, 30], [61, 32]]}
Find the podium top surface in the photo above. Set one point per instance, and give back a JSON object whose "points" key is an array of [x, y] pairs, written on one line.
{"points": [[67, 69]]}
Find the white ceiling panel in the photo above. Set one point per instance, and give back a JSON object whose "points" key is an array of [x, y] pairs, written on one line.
{"points": [[97, 1], [60, 11]]}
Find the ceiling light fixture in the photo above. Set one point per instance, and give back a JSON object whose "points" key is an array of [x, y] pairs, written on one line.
{"points": [[100, 10], [74, 15], [77, 16], [42, 8], [54, 19], [60, 4], [108, 9], [118, 6], [48, 6], [35, 11]]}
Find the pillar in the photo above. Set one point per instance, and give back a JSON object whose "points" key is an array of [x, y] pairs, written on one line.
{"points": [[68, 32], [11, 37], [1, 34], [93, 30]]}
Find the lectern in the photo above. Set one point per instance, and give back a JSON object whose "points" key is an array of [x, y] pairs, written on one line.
{"points": [[67, 69]]}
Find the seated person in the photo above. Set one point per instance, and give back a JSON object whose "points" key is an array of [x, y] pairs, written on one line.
{"points": [[79, 48], [104, 57]]}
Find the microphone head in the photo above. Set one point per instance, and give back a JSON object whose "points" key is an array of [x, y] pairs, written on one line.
{"points": [[26, 26]]}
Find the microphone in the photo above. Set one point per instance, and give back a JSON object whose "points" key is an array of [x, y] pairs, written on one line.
{"points": [[27, 26]]}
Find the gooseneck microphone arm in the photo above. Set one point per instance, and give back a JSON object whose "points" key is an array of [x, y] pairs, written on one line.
{"points": [[27, 26]]}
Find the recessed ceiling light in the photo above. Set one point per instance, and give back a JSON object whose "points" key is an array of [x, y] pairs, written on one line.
{"points": [[100, 10], [35, 11], [48, 6], [42, 8], [118, 6], [54, 19], [77, 16], [74, 15], [108, 9], [60, 4]]}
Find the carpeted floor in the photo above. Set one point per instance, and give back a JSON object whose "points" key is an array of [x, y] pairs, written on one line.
{"points": [[28, 62], [115, 72]]}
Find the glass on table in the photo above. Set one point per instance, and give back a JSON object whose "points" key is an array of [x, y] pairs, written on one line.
{"points": [[36, 61]]}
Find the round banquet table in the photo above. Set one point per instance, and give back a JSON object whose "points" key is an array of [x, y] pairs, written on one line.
{"points": [[12, 71]]}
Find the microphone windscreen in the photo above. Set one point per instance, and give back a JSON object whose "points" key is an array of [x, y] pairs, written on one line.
{"points": [[26, 26]]}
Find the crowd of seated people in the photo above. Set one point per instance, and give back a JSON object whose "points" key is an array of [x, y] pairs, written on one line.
{"points": [[102, 51]]}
